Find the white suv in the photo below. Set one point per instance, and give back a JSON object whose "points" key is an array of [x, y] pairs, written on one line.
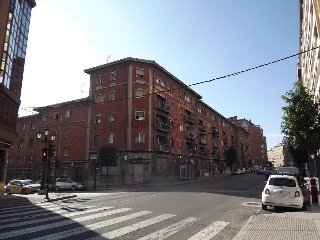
{"points": [[283, 191]]}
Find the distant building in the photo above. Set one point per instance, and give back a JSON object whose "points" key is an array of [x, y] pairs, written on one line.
{"points": [[14, 28], [275, 155], [154, 120], [257, 142]]}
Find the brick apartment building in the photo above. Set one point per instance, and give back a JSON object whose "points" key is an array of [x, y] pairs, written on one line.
{"points": [[156, 122], [14, 29], [257, 141]]}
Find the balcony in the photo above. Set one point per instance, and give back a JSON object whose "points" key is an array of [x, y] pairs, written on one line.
{"points": [[202, 126], [162, 106], [162, 126], [163, 147], [203, 141], [190, 135], [215, 133], [189, 118], [203, 154]]}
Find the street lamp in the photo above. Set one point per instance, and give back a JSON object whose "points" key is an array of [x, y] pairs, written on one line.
{"points": [[46, 156]]}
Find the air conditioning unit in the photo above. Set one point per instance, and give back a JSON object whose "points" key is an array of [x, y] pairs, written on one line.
{"points": [[139, 118]]}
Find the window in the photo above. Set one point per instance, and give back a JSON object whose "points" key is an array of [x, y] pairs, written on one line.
{"points": [[139, 137], [98, 98], [181, 144], [160, 82], [140, 115], [21, 143], [9, 160], [112, 96], [187, 98], [31, 142], [140, 72], [111, 117], [96, 140], [23, 126], [110, 138], [55, 133], [45, 117], [68, 113], [181, 127], [33, 125], [97, 118], [99, 79], [65, 151], [181, 94], [171, 88], [56, 115], [67, 133], [20, 160], [113, 76], [139, 93]]}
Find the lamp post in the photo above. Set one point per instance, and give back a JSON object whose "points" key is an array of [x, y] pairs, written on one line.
{"points": [[29, 161], [46, 156]]}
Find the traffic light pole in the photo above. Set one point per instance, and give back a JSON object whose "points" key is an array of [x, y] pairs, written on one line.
{"points": [[43, 170]]}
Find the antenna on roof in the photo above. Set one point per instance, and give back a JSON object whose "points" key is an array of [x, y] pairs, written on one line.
{"points": [[108, 59]]}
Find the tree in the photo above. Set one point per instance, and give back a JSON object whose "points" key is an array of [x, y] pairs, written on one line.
{"points": [[107, 157], [300, 121], [231, 156]]}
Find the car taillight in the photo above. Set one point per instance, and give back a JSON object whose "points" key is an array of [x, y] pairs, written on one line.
{"points": [[267, 191], [297, 194]]}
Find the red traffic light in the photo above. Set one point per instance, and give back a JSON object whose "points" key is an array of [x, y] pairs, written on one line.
{"points": [[44, 154]]}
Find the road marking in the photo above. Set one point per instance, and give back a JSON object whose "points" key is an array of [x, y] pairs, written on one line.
{"points": [[210, 231], [134, 227], [56, 224], [170, 230], [92, 227]]}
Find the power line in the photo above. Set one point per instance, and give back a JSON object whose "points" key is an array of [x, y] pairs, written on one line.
{"points": [[218, 78]]}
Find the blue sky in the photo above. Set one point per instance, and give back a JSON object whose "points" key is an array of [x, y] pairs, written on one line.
{"points": [[195, 40]]}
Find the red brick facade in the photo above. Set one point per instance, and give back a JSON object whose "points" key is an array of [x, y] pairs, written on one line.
{"points": [[158, 124]]}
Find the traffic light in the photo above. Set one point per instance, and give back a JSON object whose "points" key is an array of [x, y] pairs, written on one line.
{"points": [[57, 163], [52, 150], [97, 167], [44, 154]]}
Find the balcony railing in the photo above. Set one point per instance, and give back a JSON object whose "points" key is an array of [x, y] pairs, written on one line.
{"points": [[203, 154], [162, 106], [189, 118], [164, 147], [202, 127], [190, 135], [202, 140], [162, 126]]}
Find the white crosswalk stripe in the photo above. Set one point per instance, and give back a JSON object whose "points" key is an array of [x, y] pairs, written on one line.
{"points": [[210, 231], [108, 221]]}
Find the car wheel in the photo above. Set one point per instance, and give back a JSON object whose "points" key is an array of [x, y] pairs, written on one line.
{"points": [[24, 192], [264, 207], [73, 188], [8, 192]]}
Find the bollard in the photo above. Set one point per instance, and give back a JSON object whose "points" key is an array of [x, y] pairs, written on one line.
{"points": [[313, 189]]}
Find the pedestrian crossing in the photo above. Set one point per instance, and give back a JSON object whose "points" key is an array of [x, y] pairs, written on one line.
{"points": [[53, 221]]}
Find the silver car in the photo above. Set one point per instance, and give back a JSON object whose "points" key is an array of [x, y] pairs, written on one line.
{"points": [[66, 183]]}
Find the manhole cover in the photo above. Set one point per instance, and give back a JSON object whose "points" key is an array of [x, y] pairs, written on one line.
{"points": [[251, 204]]}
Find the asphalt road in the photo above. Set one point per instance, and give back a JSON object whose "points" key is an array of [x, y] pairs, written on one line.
{"points": [[210, 209]]}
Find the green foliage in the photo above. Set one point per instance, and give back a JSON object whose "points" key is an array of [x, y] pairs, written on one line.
{"points": [[107, 155], [231, 156], [300, 120]]}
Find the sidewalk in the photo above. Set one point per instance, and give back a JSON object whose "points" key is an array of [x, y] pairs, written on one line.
{"points": [[283, 226]]}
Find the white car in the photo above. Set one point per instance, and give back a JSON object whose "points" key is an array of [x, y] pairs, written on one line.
{"points": [[283, 191]]}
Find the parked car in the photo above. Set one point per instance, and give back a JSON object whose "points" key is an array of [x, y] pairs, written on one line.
{"points": [[248, 170], [25, 186], [243, 170], [236, 171], [260, 171], [66, 183], [284, 191]]}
